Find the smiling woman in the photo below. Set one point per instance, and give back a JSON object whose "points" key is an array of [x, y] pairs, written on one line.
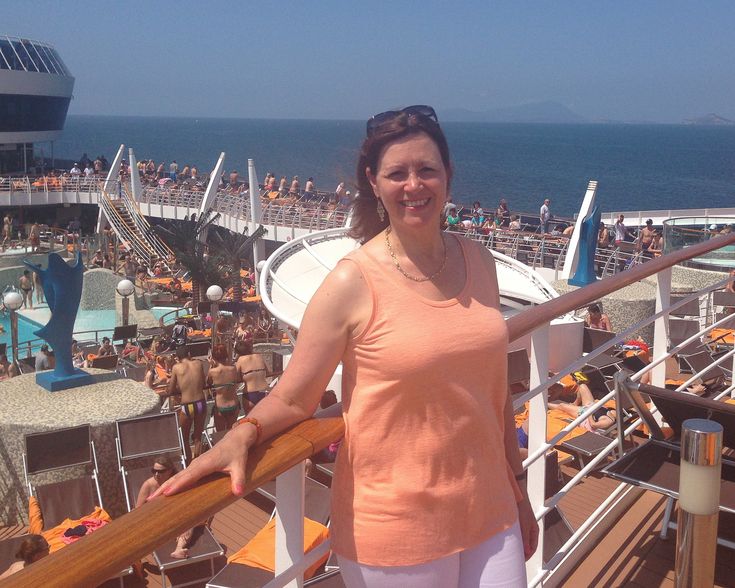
{"points": [[389, 128], [429, 453]]}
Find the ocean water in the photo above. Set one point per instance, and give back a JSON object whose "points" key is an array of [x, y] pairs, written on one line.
{"points": [[637, 166]]}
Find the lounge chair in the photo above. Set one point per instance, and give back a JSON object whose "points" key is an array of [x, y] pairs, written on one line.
{"points": [[104, 362], [594, 338], [316, 508], [682, 329], [690, 308], [63, 504], [654, 465], [519, 370], [723, 298], [713, 376], [138, 441]]}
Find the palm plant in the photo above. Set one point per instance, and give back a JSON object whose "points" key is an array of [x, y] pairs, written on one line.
{"points": [[187, 240], [231, 249]]}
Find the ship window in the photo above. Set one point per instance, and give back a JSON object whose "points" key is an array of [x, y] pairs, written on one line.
{"points": [[49, 59], [10, 57], [61, 64], [23, 56], [36, 57]]}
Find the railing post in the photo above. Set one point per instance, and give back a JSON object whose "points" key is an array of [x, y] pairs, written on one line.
{"points": [[537, 437], [290, 489], [661, 326], [699, 503]]}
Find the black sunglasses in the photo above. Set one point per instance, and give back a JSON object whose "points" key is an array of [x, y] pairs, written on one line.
{"points": [[154, 471], [417, 110]]}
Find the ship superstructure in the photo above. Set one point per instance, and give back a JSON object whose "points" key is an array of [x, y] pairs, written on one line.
{"points": [[35, 91]]}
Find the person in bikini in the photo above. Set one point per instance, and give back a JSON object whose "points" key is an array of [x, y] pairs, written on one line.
{"points": [[163, 468], [603, 418], [252, 371], [596, 319], [187, 379], [223, 380]]}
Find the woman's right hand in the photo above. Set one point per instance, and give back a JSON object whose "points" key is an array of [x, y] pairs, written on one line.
{"points": [[229, 456]]}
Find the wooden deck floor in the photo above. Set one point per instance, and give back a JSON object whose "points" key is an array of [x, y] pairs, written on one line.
{"points": [[631, 554]]}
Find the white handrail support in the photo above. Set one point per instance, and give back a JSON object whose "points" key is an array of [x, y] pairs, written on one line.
{"points": [[536, 484], [290, 488]]}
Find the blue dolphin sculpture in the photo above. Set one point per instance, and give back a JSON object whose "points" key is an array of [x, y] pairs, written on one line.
{"points": [[62, 285]]}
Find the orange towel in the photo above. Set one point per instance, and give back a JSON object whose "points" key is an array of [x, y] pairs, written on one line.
{"points": [[54, 536], [260, 551], [726, 334]]}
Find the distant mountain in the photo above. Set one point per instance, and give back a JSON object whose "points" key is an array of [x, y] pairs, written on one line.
{"points": [[709, 119], [535, 112]]}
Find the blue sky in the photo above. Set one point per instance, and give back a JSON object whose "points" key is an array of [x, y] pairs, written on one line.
{"points": [[659, 61]]}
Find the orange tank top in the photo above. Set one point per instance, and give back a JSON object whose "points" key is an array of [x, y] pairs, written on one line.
{"points": [[422, 473]]}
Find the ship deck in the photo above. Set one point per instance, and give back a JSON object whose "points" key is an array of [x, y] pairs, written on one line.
{"points": [[631, 553]]}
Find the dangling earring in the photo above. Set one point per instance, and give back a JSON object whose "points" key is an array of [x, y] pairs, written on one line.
{"points": [[381, 210]]}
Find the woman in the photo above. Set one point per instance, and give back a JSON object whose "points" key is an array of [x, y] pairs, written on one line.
{"points": [[244, 330], [162, 470], [253, 371], [596, 319], [603, 418], [33, 548], [455, 492], [223, 379]]}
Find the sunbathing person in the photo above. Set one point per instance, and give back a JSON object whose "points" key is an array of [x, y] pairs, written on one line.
{"points": [[106, 348], [223, 380], [602, 418], [596, 319], [161, 471], [252, 370], [187, 379], [33, 548]]}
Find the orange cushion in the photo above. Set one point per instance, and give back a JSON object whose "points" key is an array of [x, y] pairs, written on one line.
{"points": [[35, 517], [53, 536], [260, 551]]}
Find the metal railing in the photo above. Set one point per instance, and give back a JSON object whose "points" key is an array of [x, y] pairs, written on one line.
{"points": [[136, 534]]}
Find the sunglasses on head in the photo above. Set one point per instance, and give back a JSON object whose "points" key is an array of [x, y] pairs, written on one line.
{"points": [[416, 110]]}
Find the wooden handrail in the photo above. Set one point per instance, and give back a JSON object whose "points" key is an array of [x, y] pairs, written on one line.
{"points": [[115, 546], [525, 322]]}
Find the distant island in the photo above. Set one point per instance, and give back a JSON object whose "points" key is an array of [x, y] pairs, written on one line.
{"points": [[709, 120], [534, 112]]}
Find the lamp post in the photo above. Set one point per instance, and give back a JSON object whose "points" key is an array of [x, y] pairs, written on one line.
{"points": [[13, 300], [125, 288], [214, 294]]}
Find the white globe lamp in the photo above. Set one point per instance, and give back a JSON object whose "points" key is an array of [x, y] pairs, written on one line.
{"points": [[125, 287], [13, 300], [215, 293]]}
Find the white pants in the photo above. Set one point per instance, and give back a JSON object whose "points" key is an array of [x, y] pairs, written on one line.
{"points": [[497, 562]]}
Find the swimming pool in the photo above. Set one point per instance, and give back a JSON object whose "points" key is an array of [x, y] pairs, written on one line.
{"points": [[29, 321]]}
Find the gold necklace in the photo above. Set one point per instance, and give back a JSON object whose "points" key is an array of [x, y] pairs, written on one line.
{"points": [[404, 272]]}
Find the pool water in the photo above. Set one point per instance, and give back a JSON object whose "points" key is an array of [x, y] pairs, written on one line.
{"points": [[29, 321]]}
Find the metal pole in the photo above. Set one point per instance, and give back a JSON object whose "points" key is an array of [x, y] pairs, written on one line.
{"points": [[699, 502], [14, 334], [125, 310], [214, 311]]}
